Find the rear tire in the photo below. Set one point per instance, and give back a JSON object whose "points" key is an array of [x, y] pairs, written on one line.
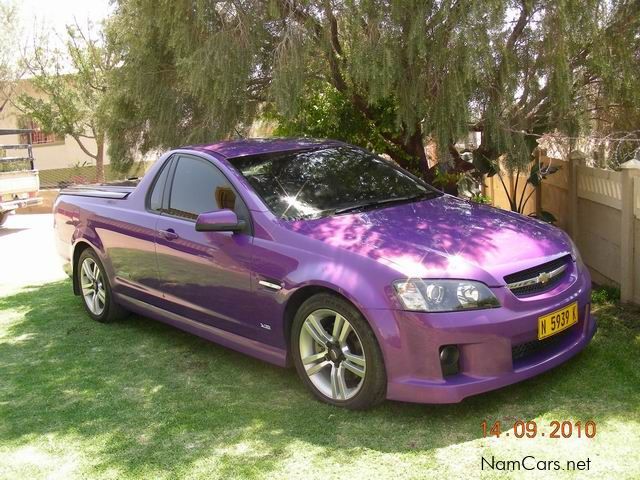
{"points": [[95, 289], [336, 353]]}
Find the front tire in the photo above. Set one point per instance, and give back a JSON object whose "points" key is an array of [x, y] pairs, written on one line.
{"points": [[95, 289], [336, 353]]}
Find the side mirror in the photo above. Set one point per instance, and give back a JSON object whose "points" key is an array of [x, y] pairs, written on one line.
{"points": [[219, 221]]}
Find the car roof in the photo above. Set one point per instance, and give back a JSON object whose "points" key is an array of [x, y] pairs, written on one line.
{"points": [[256, 146]]}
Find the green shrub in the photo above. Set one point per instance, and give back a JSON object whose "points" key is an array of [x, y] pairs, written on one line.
{"points": [[605, 294]]}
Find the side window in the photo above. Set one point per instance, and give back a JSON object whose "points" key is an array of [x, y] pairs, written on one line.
{"points": [[155, 199], [200, 187]]}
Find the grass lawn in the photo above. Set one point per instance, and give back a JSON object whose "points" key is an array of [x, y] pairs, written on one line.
{"points": [[139, 399]]}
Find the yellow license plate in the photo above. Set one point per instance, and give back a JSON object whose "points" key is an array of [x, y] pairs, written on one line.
{"points": [[557, 321]]}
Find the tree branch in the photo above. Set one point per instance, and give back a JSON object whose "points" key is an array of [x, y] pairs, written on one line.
{"points": [[83, 148]]}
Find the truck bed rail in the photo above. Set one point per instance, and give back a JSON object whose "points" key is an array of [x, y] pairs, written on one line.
{"points": [[99, 191], [18, 146]]}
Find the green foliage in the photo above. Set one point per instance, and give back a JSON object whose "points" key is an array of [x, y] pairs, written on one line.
{"points": [[191, 73], [545, 216], [485, 165], [324, 112], [386, 74], [15, 166], [9, 34], [557, 68], [469, 186], [605, 294], [7, 38], [71, 91], [480, 198], [194, 71], [445, 179]]}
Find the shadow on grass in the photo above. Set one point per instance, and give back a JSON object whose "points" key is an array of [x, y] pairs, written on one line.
{"points": [[149, 398]]}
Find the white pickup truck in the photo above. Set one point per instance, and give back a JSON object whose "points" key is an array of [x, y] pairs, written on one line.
{"points": [[19, 180]]}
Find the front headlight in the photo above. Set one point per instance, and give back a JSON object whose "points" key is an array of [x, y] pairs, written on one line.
{"points": [[444, 295]]}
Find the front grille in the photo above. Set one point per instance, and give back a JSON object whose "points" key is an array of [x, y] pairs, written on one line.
{"points": [[518, 352], [533, 272]]}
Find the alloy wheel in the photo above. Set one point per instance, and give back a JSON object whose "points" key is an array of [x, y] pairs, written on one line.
{"points": [[93, 288], [332, 354]]}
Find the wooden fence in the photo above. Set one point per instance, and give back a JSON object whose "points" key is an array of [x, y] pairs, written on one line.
{"points": [[600, 209]]}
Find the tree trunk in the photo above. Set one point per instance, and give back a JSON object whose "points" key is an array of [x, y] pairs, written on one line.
{"points": [[100, 159], [414, 146]]}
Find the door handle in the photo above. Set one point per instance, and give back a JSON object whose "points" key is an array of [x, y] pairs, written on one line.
{"points": [[168, 234]]}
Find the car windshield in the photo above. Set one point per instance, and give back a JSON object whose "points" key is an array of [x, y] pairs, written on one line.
{"points": [[328, 181]]}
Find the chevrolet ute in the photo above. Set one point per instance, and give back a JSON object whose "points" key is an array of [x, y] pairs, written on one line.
{"points": [[324, 256]]}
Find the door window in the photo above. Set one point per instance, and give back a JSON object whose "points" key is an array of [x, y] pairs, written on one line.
{"points": [[198, 187]]}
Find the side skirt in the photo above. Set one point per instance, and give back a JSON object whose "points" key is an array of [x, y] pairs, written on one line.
{"points": [[241, 344]]}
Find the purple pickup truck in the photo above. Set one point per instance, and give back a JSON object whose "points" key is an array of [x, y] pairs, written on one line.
{"points": [[321, 255]]}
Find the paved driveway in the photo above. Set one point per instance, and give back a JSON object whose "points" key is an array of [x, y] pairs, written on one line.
{"points": [[27, 252]]}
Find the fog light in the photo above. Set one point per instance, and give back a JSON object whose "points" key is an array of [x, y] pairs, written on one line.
{"points": [[449, 356]]}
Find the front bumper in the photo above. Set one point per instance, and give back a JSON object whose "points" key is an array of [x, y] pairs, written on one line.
{"points": [[411, 343]]}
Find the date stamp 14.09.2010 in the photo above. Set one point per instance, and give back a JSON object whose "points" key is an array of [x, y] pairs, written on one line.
{"points": [[531, 429]]}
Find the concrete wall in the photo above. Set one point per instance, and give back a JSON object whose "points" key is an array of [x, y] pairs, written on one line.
{"points": [[599, 240]]}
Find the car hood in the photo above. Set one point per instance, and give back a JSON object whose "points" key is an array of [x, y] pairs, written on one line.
{"points": [[443, 237]]}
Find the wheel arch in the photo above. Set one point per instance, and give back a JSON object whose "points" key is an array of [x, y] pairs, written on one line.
{"points": [[78, 248], [299, 296]]}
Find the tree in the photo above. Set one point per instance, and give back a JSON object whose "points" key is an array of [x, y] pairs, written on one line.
{"points": [[9, 33], [402, 71], [324, 112], [561, 67], [194, 71], [71, 88]]}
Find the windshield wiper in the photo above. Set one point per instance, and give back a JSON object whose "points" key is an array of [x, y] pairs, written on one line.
{"points": [[379, 203]]}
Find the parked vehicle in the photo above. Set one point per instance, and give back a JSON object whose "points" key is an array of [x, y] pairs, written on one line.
{"points": [[19, 180], [322, 255]]}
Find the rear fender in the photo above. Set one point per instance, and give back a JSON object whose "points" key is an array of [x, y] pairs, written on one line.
{"points": [[80, 241]]}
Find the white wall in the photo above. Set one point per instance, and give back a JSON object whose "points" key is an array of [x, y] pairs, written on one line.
{"points": [[48, 156]]}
